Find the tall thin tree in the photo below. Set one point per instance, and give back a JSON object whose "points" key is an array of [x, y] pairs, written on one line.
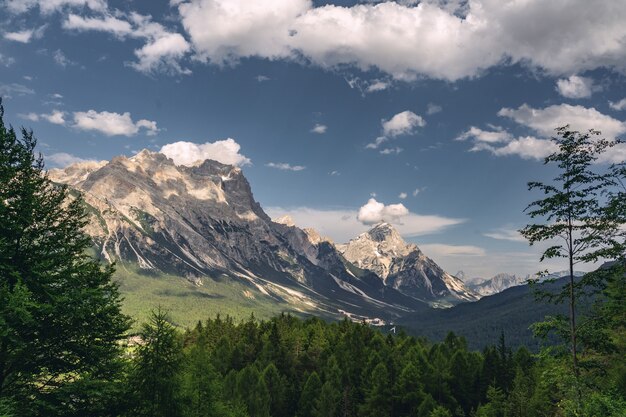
{"points": [[571, 211]]}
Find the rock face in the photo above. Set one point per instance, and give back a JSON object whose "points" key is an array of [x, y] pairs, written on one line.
{"points": [[503, 281], [498, 283], [202, 222], [403, 266]]}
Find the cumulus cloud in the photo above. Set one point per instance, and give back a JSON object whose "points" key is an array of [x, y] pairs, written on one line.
{"points": [[527, 147], [618, 105], [487, 136], [544, 121], [374, 212], [403, 123], [162, 50], [410, 39], [342, 224], [283, 166], [25, 36], [402, 196], [575, 87], [319, 128], [226, 151], [112, 124], [56, 117]]}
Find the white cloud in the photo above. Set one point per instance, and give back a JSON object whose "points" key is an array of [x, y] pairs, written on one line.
{"points": [[62, 60], [433, 108], [283, 166], [342, 224], [49, 6], [110, 24], [25, 36], [440, 250], [8, 90], [6, 61], [506, 234], [544, 122], [402, 196], [334, 173], [188, 153], [580, 118], [377, 85], [368, 86], [411, 39], [575, 87], [261, 78], [224, 31], [493, 136], [319, 128], [63, 159], [162, 50], [403, 123], [374, 212], [33, 117], [111, 124], [618, 105], [56, 117], [525, 147], [416, 192], [391, 151]]}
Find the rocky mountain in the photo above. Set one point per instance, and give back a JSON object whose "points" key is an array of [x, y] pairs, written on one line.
{"points": [[202, 223], [403, 266], [503, 281], [498, 283]]}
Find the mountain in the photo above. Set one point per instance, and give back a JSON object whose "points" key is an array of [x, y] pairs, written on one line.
{"points": [[502, 281], [498, 283], [403, 266], [511, 311], [202, 223]]}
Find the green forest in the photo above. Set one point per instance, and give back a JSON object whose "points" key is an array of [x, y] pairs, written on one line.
{"points": [[66, 348]]}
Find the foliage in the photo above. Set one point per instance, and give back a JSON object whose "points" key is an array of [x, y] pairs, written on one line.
{"points": [[60, 319]]}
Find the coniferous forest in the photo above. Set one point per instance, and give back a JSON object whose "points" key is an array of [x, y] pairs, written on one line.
{"points": [[66, 348]]}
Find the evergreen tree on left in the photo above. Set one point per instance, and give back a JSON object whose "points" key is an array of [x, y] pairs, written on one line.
{"points": [[60, 315]]}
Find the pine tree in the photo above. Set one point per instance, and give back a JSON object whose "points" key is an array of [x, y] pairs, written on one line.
{"points": [[309, 396], [378, 395], [157, 367], [60, 316]]}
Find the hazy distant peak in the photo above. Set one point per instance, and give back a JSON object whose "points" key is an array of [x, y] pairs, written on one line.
{"points": [[287, 220]]}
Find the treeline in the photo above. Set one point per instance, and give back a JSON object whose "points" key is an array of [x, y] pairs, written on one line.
{"points": [[289, 367]]}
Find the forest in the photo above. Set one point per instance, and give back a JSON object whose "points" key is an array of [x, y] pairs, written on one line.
{"points": [[66, 349]]}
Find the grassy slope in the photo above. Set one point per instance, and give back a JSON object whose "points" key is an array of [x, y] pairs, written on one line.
{"points": [[186, 302]]}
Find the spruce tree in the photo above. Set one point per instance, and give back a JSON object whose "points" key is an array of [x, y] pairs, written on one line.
{"points": [[60, 316]]}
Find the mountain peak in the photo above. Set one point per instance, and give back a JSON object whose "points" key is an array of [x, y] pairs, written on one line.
{"points": [[383, 232], [287, 220]]}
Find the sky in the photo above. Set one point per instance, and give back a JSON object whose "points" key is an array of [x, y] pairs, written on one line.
{"points": [[430, 115]]}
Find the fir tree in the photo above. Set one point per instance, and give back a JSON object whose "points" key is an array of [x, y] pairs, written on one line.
{"points": [[60, 317]]}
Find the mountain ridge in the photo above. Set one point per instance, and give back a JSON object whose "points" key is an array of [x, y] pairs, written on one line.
{"points": [[202, 222]]}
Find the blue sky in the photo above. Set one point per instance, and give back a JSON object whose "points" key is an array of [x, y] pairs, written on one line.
{"points": [[430, 115]]}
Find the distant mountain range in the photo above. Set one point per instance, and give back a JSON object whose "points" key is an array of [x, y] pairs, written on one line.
{"points": [[202, 223], [511, 312], [502, 281]]}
